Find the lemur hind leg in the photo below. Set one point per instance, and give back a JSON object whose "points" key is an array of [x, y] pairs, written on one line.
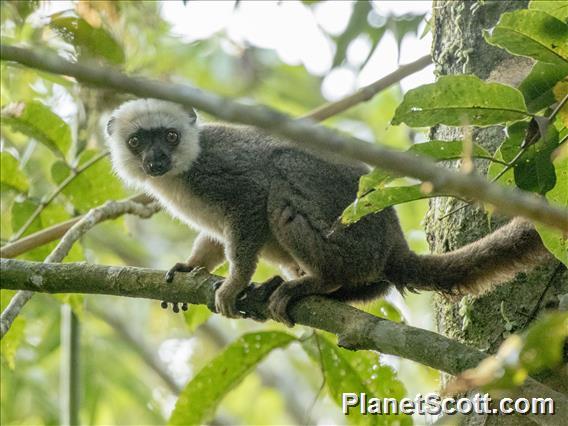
{"points": [[291, 291]]}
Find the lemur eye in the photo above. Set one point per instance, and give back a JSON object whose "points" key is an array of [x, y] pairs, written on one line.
{"points": [[172, 136], [134, 142]]}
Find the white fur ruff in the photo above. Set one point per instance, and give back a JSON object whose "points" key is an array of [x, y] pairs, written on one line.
{"points": [[148, 114]]}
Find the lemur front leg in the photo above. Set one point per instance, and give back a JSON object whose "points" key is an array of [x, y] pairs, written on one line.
{"points": [[242, 249], [206, 253]]}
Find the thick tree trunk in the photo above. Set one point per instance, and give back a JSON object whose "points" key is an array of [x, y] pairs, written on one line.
{"points": [[483, 322]]}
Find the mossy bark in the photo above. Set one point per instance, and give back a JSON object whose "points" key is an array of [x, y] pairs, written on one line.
{"points": [[483, 322]]}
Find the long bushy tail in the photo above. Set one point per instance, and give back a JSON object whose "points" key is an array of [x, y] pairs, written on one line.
{"points": [[476, 267]]}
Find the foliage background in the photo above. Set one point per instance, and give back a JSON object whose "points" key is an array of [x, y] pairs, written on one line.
{"points": [[53, 128]]}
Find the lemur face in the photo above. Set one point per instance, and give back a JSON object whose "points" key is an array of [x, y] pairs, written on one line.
{"points": [[155, 148], [149, 138]]}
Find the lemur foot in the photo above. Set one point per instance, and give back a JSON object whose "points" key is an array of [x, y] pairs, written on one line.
{"points": [[278, 306], [258, 295], [178, 267]]}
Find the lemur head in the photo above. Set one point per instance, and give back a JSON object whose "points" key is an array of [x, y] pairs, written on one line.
{"points": [[150, 138]]}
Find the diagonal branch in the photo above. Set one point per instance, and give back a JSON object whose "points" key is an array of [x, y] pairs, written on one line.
{"points": [[367, 92], [53, 233], [110, 210], [305, 132], [321, 113], [74, 174], [355, 329]]}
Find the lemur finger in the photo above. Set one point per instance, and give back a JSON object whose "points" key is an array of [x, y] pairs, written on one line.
{"points": [[178, 267]]}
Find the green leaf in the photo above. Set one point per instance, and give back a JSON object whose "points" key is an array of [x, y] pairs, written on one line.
{"points": [[537, 87], [52, 214], [357, 22], [374, 180], [446, 150], [460, 100], [383, 309], [10, 174], [556, 8], [37, 121], [195, 316], [197, 402], [544, 342], [93, 186], [553, 239], [531, 33], [381, 199], [437, 150], [356, 372], [535, 171], [87, 40], [11, 341]]}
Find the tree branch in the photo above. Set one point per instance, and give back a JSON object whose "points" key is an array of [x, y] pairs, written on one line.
{"points": [[53, 233], [110, 210], [74, 174], [305, 132], [355, 329], [367, 92]]}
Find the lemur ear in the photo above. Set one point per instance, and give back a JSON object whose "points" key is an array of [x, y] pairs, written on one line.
{"points": [[191, 113], [110, 126]]}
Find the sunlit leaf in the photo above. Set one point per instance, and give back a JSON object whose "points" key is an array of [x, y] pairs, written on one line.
{"points": [[383, 309], [531, 33], [357, 22], [556, 8], [537, 87], [10, 174], [11, 341], [437, 150], [198, 401], [554, 240], [88, 40], [560, 91], [460, 100], [195, 316], [93, 186], [37, 121], [380, 199], [52, 214], [356, 372], [446, 150], [544, 342], [535, 171]]}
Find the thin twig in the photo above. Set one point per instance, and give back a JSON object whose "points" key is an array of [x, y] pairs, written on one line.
{"points": [[110, 210], [74, 174], [52, 233], [558, 108], [366, 93]]}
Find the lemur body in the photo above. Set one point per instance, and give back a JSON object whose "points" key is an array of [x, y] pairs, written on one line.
{"points": [[251, 194]]}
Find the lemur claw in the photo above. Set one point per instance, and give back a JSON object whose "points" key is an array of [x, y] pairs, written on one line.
{"points": [[175, 307], [178, 267]]}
